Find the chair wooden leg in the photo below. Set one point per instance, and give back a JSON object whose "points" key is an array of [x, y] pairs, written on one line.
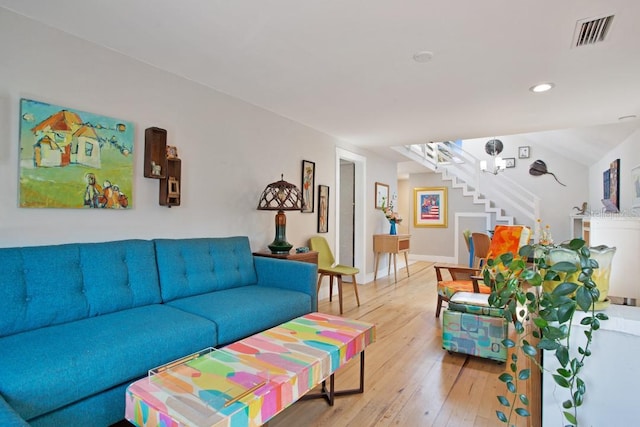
{"points": [[439, 307], [340, 292], [330, 287], [319, 282], [355, 288]]}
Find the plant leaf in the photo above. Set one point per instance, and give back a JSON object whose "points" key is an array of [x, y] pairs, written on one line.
{"points": [[540, 322], [522, 412], [562, 354], [529, 350], [501, 416], [504, 401], [564, 267], [508, 343], [565, 288], [524, 399], [569, 416], [524, 374], [565, 311], [505, 377], [584, 298], [547, 344], [561, 381]]}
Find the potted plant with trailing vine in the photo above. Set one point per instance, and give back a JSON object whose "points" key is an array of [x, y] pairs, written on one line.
{"points": [[543, 320]]}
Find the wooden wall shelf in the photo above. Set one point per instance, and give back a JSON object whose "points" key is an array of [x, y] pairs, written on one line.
{"points": [[168, 170], [155, 153], [170, 187]]}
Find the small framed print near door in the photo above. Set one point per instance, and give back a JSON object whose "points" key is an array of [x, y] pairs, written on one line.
{"points": [[382, 195], [323, 208], [308, 185]]}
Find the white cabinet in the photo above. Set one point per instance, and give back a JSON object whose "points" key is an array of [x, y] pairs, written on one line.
{"points": [[611, 398], [624, 234]]}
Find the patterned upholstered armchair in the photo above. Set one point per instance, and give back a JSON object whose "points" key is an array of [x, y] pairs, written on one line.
{"points": [[469, 324]]}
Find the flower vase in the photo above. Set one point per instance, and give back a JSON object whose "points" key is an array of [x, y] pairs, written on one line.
{"points": [[393, 230]]}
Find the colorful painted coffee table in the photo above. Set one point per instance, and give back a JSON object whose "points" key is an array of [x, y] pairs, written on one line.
{"points": [[250, 381]]}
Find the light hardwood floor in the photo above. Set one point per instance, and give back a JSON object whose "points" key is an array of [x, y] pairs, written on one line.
{"points": [[410, 380]]}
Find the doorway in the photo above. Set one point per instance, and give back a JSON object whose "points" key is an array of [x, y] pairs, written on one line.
{"points": [[356, 239], [346, 216]]}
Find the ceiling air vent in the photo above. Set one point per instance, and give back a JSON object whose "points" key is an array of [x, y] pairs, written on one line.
{"points": [[591, 31]]}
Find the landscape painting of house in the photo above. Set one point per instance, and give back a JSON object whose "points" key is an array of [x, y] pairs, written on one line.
{"points": [[74, 159]]}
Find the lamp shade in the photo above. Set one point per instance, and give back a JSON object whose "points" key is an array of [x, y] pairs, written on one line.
{"points": [[280, 196]]}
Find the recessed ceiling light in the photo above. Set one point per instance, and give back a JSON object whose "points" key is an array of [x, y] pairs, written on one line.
{"points": [[423, 56], [542, 87]]}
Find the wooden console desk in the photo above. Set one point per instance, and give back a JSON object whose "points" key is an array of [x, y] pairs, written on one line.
{"points": [[392, 245]]}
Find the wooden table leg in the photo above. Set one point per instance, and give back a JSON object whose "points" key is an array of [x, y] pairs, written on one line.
{"points": [[395, 269], [375, 269], [406, 263]]}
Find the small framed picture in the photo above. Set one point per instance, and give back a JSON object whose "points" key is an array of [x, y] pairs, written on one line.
{"points": [[172, 152], [308, 185], [323, 208], [382, 195], [523, 152], [510, 162]]}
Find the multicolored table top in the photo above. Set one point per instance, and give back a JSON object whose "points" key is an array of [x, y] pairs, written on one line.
{"points": [[250, 381]]}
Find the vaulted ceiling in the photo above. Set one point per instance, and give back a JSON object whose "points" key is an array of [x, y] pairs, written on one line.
{"points": [[347, 67]]}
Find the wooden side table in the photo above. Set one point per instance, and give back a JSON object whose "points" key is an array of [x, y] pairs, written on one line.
{"points": [[393, 245], [311, 256]]}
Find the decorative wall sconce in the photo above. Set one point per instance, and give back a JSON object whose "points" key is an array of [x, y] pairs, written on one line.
{"points": [[494, 147]]}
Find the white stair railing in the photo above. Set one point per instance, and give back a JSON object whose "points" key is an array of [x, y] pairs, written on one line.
{"points": [[499, 193]]}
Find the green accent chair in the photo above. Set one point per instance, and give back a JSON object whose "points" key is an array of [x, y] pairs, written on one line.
{"points": [[327, 267]]}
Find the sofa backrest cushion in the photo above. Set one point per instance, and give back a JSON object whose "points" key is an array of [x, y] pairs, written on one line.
{"points": [[48, 285], [196, 266]]}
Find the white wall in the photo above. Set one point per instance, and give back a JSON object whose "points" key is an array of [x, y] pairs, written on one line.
{"points": [[230, 149], [629, 156]]}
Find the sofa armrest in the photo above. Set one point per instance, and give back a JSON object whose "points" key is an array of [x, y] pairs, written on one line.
{"points": [[9, 417], [286, 274]]}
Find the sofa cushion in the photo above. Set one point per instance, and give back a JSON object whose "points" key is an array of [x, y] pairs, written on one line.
{"points": [[45, 369], [49, 285], [244, 311], [190, 267]]}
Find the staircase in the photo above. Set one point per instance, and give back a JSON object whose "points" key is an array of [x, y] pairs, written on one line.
{"points": [[505, 200]]}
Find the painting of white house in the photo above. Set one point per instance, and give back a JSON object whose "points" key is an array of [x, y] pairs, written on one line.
{"points": [[74, 159]]}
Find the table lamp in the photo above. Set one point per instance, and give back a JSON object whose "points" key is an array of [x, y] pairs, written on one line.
{"points": [[280, 196]]}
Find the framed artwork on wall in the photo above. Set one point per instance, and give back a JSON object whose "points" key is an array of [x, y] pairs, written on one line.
{"points": [[635, 183], [382, 194], [510, 162], [524, 152], [614, 181], [74, 159], [430, 207], [606, 184], [323, 208], [308, 185]]}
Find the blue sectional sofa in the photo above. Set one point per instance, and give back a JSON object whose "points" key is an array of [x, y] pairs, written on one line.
{"points": [[79, 322]]}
